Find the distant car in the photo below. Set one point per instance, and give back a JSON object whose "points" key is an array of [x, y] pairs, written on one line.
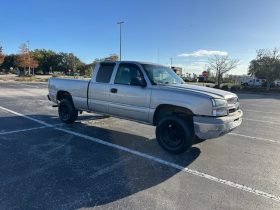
{"points": [[253, 82], [277, 83]]}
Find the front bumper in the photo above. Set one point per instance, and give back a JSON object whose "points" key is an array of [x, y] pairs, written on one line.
{"points": [[212, 127]]}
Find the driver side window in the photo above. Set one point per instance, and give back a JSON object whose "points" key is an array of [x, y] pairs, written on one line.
{"points": [[127, 73]]}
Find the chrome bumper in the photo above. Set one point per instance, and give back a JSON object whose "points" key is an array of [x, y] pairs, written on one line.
{"points": [[211, 127]]}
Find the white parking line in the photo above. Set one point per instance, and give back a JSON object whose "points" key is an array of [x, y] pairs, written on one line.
{"points": [[264, 121], [255, 138], [23, 130], [161, 161], [24, 116], [29, 129]]}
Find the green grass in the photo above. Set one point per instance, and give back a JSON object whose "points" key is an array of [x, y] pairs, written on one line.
{"points": [[26, 79]]}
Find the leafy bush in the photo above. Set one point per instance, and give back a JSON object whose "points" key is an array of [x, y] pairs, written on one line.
{"points": [[225, 87], [235, 88], [39, 72], [264, 84], [29, 78]]}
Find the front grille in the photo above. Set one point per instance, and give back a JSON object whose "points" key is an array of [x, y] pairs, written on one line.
{"points": [[233, 104], [233, 100]]}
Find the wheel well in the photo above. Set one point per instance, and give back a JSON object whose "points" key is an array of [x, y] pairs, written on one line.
{"points": [[62, 95], [165, 110]]}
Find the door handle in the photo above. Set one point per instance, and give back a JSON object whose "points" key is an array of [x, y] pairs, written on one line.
{"points": [[114, 90]]}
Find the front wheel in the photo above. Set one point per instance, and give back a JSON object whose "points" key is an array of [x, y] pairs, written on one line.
{"points": [[67, 112], [174, 134]]}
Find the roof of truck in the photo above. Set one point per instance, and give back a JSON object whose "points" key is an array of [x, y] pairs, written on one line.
{"points": [[139, 62]]}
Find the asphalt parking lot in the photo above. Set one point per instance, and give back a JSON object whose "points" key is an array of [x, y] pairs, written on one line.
{"points": [[107, 163]]}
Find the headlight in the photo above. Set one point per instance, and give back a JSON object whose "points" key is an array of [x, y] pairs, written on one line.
{"points": [[220, 107]]}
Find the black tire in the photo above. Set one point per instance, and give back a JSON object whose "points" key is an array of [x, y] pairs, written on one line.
{"points": [[175, 134], [67, 112]]}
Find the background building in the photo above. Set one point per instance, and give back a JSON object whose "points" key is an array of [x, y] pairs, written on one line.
{"points": [[177, 70]]}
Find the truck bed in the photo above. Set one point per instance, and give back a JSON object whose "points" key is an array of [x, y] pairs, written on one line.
{"points": [[76, 87]]}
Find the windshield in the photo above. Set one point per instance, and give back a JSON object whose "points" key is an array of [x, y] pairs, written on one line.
{"points": [[161, 74]]}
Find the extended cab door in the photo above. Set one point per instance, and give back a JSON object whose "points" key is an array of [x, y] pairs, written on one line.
{"points": [[99, 88], [129, 98]]}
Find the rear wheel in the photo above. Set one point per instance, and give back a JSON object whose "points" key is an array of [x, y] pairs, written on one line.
{"points": [[67, 112], [174, 134]]}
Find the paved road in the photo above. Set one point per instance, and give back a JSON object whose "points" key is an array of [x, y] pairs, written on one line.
{"points": [[106, 163]]}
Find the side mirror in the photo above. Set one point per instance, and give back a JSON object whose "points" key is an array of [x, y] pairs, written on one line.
{"points": [[138, 81]]}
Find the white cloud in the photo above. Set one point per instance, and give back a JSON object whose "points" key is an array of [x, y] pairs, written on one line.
{"points": [[203, 53]]}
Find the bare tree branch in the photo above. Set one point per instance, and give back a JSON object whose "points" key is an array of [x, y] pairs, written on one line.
{"points": [[221, 65]]}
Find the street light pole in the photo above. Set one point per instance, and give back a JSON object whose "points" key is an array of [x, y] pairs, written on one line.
{"points": [[120, 23]]}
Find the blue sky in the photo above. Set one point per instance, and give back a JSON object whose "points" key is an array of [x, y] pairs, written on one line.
{"points": [[189, 31]]}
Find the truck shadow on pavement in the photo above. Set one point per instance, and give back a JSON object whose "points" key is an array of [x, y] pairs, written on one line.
{"points": [[51, 169]]}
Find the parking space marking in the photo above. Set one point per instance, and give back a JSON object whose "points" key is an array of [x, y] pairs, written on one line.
{"points": [[23, 130], [159, 160], [24, 116], [29, 129], [176, 166], [255, 138], [264, 121], [111, 167]]}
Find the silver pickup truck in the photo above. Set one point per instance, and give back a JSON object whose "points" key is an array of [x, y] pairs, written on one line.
{"points": [[152, 94]]}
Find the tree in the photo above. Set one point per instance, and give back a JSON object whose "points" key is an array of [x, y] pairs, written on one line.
{"points": [[26, 59], [89, 67], [33, 63], [221, 65], [266, 65], [23, 57], [112, 57], [2, 56], [47, 60], [71, 63], [9, 62]]}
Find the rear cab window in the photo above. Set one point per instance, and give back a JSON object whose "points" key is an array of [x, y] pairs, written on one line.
{"points": [[104, 73]]}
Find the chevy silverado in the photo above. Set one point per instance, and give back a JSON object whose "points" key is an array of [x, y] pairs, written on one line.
{"points": [[152, 94]]}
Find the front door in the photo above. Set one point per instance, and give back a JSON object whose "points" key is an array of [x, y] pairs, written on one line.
{"points": [[129, 99]]}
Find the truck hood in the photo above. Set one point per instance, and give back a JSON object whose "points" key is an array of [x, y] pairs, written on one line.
{"points": [[211, 92]]}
